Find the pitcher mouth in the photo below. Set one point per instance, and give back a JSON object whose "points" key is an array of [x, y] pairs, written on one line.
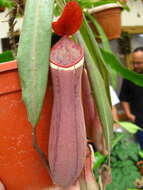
{"points": [[66, 53], [69, 67]]}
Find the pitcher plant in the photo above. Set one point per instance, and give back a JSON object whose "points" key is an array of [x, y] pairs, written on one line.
{"points": [[79, 71]]}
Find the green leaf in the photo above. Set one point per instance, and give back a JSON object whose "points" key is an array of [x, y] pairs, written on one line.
{"points": [[99, 159], [94, 3], [93, 47], [99, 93], [130, 127], [117, 139], [101, 32], [33, 55], [7, 3], [141, 154], [98, 75], [106, 46], [95, 52], [114, 62], [6, 56]]}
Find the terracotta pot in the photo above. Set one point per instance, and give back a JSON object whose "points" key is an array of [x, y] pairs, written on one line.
{"points": [[2, 9], [109, 17], [20, 165], [140, 166]]}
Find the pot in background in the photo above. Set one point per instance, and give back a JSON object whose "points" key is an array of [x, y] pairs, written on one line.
{"points": [[109, 17], [2, 9], [140, 166]]}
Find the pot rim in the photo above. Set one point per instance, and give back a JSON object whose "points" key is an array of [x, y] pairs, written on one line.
{"points": [[6, 66], [104, 7]]}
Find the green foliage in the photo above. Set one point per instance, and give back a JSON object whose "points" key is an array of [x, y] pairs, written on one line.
{"points": [[96, 3], [106, 46], [33, 55], [98, 83], [130, 127], [123, 163], [6, 56], [99, 160], [6, 3], [115, 64]]}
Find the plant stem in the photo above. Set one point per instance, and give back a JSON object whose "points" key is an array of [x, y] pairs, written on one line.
{"points": [[12, 22], [61, 4], [38, 149]]}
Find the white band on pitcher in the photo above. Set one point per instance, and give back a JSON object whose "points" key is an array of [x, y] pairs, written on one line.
{"points": [[68, 68]]}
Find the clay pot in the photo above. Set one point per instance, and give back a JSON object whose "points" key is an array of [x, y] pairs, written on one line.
{"points": [[109, 17], [140, 166], [2, 9], [20, 165]]}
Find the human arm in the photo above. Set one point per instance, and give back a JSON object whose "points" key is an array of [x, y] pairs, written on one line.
{"points": [[114, 113], [114, 100], [127, 110], [125, 98]]}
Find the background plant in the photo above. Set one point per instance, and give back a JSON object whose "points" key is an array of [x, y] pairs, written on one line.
{"points": [[6, 3], [6, 56], [124, 156], [96, 3]]}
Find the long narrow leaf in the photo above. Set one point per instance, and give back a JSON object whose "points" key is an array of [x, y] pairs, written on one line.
{"points": [[102, 35], [93, 47], [95, 52], [33, 55], [99, 94], [115, 64], [112, 60], [106, 46]]}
